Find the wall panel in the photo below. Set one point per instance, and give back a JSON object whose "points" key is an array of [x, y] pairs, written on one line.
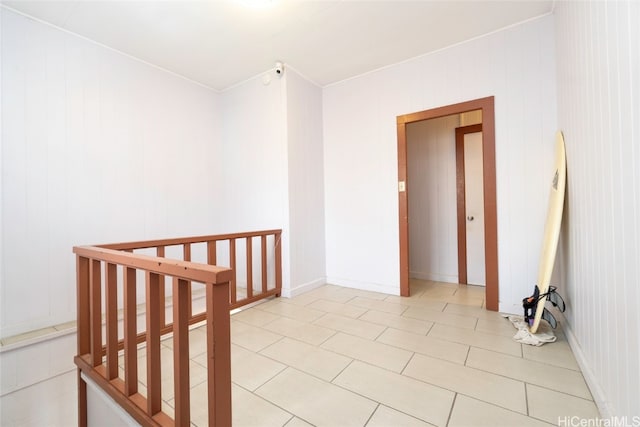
{"points": [[598, 72], [96, 147], [431, 164], [306, 183]]}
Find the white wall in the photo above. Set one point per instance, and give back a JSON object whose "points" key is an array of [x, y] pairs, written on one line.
{"points": [[598, 72], [96, 148], [516, 66], [254, 155], [273, 170], [1, 174], [254, 158], [306, 183], [433, 226]]}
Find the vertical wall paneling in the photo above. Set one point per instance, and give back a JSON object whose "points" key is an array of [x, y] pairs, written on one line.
{"points": [[598, 75], [431, 164], [2, 288], [255, 174], [306, 183], [96, 147]]}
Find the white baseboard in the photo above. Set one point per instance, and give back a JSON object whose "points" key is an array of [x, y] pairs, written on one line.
{"points": [[32, 360], [599, 397], [421, 275], [24, 365], [365, 286], [510, 308], [305, 287]]}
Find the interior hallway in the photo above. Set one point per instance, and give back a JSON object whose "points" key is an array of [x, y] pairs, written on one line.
{"points": [[343, 357]]}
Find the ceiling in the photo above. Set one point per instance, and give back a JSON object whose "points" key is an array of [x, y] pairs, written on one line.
{"points": [[220, 43]]}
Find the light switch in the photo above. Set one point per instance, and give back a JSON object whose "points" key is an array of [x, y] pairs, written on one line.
{"points": [[401, 186]]}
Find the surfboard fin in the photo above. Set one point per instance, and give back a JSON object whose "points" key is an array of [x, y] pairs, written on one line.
{"points": [[556, 299], [531, 303], [546, 315]]}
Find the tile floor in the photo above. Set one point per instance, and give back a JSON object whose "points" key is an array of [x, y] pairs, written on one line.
{"points": [[344, 357]]}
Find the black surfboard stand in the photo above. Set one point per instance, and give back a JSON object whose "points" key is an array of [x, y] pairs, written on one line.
{"points": [[531, 303]]}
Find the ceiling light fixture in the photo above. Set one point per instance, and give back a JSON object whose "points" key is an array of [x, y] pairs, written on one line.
{"points": [[257, 4]]}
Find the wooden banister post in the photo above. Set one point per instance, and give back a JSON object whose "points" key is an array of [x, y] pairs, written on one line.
{"points": [[232, 265], [95, 308], [186, 255], [82, 400], [154, 392], [218, 354], [212, 257], [263, 253], [181, 351], [161, 297], [111, 305], [82, 308], [278, 249], [83, 338], [130, 333], [249, 267]]}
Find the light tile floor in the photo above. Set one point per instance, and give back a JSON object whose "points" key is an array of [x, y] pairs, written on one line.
{"points": [[344, 357]]}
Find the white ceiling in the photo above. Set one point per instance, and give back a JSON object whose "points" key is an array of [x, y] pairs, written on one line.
{"points": [[220, 43]]}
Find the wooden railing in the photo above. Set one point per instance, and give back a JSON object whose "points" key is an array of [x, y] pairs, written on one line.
{"points": [[107, 271]]}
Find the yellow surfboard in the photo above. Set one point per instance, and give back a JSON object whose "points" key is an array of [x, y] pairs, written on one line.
{"points": [[551, 228]]}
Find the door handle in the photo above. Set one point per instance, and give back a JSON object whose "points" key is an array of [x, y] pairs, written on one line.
{"points": [[470, 218]]}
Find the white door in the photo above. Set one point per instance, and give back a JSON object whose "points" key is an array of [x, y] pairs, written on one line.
{"points": [[474, 202]]}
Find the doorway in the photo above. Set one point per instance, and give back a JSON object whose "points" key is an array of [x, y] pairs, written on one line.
{"points": [[470, 205], [486, 105]]}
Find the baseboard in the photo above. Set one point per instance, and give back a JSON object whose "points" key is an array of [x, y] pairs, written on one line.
{"points": [[599, 397], [50, 351], [25, 365], [365, 286], [510, 308], [305, 287], [421, 275]]}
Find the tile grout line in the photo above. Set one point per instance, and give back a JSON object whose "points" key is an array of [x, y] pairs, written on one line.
{"points": [[380, 403], [455, 397], [429, 384], [375, 339], [523, 381], [433, 324], [467, 357], [404, 368], [267, 400], [527, 401], [559, 392], [533, 361], [417, 352], [288, 421], [371, 416], [341, 370]]}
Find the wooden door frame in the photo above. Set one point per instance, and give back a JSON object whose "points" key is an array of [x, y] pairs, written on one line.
{"points": [[461, 199], [489, 173]]}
